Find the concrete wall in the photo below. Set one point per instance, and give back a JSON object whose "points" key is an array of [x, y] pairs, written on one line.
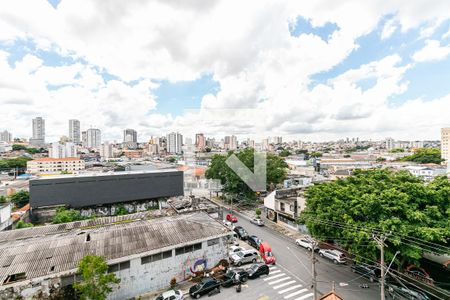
{"points": [[83, 191], [142, 278]]}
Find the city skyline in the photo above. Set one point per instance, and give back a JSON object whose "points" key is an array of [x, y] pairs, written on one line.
{"points": [[384, 74]]}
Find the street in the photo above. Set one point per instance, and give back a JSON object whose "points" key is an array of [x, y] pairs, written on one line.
{"points": [[290, 278]]}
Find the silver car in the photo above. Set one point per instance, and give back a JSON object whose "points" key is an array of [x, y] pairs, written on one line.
{"points": [[257, 221], [334, 255], [244, 257]]}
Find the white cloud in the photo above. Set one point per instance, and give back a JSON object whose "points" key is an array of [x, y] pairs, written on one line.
{"points": [[245, 45], [432, 51]]}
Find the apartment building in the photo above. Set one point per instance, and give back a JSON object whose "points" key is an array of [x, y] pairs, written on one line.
{"points": [[445, 149], [55, 165]]}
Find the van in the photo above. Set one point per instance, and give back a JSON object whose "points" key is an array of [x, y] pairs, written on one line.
{"points": [[244, 257], [266, 253]]}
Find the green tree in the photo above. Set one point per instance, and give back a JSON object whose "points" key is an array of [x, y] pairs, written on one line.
{"points": [[19, 162], [96, 283], [424, 156], [2, 199], [348, 210], [66, 215], [20, 199], [258, 213], [218, 169], [381, 159], [21, 224], [316, 154], [121, 210], [285, 153], [397, 150]]}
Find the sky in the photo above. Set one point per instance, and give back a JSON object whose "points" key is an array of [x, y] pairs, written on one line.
{"points": [[316, 71]]}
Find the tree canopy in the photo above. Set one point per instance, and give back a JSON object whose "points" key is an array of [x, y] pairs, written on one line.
{"points": [[284, 153], [349, 210], [424, 156], [97, 282], [20, 199], [276, 171], [66, 215], [19, 162]]}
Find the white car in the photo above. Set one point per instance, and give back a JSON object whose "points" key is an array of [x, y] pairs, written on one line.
{"points": [[306, 243], [334, 255], [234, 249], [228, 224], [170, 295], [257, 221]]}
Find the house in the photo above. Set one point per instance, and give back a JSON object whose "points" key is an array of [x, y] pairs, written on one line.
{"points": [[144, 253], [283, 206], [426, 172], [5, 215]]}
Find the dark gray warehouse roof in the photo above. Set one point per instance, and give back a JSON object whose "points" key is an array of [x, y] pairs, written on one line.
{"points": [[47, 250]]}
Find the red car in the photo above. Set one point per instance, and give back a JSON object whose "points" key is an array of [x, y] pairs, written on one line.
{"points": [[232, 218], [266, 253]]}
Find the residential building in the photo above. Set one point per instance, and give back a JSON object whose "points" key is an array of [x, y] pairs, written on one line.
{"points": [[265, 144], [284, 206], [60, 150], [174, 143], [5, 147], [143, 251], [106, 151], [425, 172], [93, 138], [74, 131], [230, 142], [84, 138], [38, 138], [200, 142], [129, 135], [445, 144], [153, 149], [416, 144], [5, 136], [390, 143], [55, 165]]}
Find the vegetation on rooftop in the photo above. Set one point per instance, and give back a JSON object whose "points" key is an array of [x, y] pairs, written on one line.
{"points": [[64, 215]]}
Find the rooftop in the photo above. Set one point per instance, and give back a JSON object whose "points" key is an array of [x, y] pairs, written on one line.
{"points": [[47, 250], [109, 174], [45, 159]]}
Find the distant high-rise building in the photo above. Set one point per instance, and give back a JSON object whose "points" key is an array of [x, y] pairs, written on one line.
{"points": [[445, 144], [174, 143], [38, 138], [230, 142], [200, 142], [74, 131], [106, 151], [59, 150], [5, 136], [265, 144], [129, 135], [93, 138], [390, 143]]}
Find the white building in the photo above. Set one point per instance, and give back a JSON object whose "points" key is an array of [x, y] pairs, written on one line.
{"points": [[390, 143], [38, 138], [445, 144], [5, 136], [93, 138], [426, 173], [106, 151], [5, 215], [230, 142], [58, 150], [174, 143], [55, 165], [284, 206], [144, 252], [74, 131], [5, 147]]}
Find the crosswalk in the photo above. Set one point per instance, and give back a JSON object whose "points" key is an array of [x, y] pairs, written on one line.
{"points": [[285, 286]]}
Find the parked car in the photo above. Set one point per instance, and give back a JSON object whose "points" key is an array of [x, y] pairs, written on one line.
{"points": [[334, 255], [241, 232], [254, 241], [257, 221], [170, 295], [306, 243], [234, 249], [205, 286], [232, 218], [229, 277], [370, 272], [266, 253], [398, 291], [257, 270], [228, 224], [244, 257]]}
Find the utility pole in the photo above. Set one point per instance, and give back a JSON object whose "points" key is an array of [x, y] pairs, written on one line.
{"points": [[313, 271], [380, 241]]}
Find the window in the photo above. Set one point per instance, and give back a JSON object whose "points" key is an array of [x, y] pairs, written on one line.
{"points": [[188, 248], [197, 246], [156, 257], [213, 242], [119, 267], [282, 208], [14, 278], [167, 254]]}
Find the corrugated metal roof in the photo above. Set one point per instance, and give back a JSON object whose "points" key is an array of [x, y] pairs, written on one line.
{"points": [[36, 250]]}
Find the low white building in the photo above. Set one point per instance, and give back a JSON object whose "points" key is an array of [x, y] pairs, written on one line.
{"points": [[5, 147], [284, 206], [58, 150], [55, 165], [427, 173], [5, 215], [144, 253]]}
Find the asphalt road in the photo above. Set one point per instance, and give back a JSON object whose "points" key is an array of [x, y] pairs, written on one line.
{"points": [[295, 262]]}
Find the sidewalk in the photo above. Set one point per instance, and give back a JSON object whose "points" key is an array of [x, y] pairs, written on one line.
{"points": [[183, 286]]}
